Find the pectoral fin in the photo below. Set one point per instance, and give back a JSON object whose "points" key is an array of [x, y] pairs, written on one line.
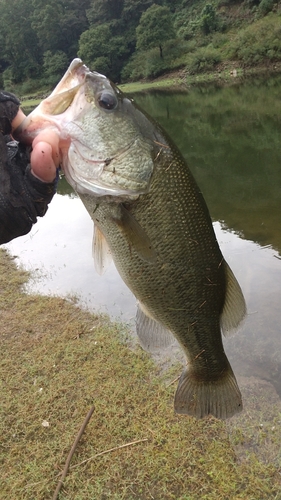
{"points": [[135, 234], [101, 252], [234, 309], [152, 335]]}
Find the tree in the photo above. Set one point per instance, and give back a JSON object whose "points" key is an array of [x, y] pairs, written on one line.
{"points": [[103, 11], [155, 27], [55, 65], [133, 9], [59, 24], [209, 21], [103, 51], [19, 43]]}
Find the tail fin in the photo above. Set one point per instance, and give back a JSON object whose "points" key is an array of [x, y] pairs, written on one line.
{"points": [[220, 398]]}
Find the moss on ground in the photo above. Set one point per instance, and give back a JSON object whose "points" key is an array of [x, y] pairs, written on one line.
{"points": [[56, 362]]}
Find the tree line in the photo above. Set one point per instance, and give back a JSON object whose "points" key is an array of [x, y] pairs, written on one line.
{"points": [[44, 36], [124, 39]]}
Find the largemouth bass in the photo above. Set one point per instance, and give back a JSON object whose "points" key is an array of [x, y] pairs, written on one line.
{"points": [[151, 216]]}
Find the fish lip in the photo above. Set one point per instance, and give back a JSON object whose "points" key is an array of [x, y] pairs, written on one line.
{"points": [[78, 68]]}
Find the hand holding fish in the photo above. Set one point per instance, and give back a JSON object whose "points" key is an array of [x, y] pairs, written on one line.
{"points": [[27, 181], [44, 157]]}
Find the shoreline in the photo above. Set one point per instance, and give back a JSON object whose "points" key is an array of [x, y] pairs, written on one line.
{"points": [[57, 360], [225, 74]]}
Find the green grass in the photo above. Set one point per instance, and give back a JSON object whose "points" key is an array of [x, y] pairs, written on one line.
{"points": [[56, 362], [157, 84]]}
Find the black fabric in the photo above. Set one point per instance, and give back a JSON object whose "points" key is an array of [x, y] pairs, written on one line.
{"points": [[23, 197], [9, 106]]}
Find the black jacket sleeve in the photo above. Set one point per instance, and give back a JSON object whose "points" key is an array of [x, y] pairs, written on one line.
{"points": [[23, 197]]}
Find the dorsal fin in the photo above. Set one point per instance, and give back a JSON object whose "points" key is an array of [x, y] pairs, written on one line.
{"points": [[234, 309], [101, 252]]}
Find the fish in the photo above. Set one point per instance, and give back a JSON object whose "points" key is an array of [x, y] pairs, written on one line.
{"points": [[151, 218]]}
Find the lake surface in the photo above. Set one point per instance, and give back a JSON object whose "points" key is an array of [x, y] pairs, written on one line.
{"points": [[231, 138]]}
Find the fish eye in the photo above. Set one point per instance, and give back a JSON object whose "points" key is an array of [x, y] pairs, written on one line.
{"points": [[107, 100]]}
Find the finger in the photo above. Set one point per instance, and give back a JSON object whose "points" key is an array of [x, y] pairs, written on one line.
{"points": [[51, 137], [42, 162]]}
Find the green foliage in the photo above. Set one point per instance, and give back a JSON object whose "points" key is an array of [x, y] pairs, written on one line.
{"points": [[148, 64], [102, 11], [59, 23], [95, 42], [266, 6], [113, 35], [188, 30], [54, 65], [258, 42], [19, 41], [103, 51], [204, 59], [7, 77], [101, 65], [155, 28], [209, 21], [133, 9]]}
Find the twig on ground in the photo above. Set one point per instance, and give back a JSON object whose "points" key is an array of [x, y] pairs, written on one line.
{"points": [[173, 381], [73, 448], [109, 451]]}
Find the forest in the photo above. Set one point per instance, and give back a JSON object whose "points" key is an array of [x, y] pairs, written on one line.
{"points": [[129, 40]]}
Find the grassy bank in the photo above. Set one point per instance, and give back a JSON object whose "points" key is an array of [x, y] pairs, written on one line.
{"points": [[58, 360]]}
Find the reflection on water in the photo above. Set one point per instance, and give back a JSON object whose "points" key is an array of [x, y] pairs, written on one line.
{"points": [[231, 138]]}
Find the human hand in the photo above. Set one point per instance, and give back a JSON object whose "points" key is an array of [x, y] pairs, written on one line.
{"points": [[44, 157], [27, 181]]}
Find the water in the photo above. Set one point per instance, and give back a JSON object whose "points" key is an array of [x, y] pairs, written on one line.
{"points": [[231, 138]]}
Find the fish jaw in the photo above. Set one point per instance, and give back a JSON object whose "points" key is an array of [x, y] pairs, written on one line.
{"points": [[48, 113]]}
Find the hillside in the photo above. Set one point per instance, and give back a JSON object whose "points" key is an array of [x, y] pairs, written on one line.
{"points": [[130, 40]]}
